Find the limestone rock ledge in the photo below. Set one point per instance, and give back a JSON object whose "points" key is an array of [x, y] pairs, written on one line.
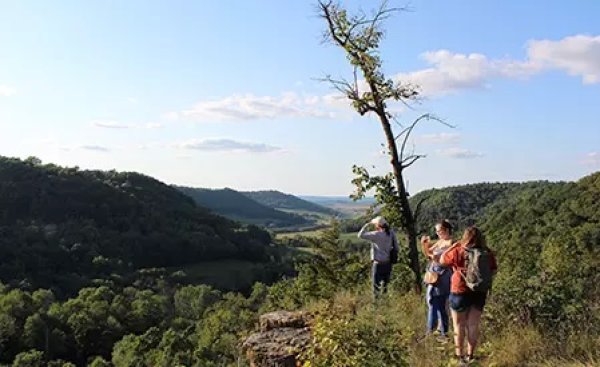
{"points": [[282, 336]]}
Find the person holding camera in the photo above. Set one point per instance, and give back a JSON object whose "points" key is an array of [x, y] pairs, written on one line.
{"points": [[437, 279]]}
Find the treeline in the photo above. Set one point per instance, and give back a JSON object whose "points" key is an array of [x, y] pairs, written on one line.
{"points": [[236, 205], [548, 242], [279, 200], [465, 205], [103, 326], [462, 205], [62, 227]]}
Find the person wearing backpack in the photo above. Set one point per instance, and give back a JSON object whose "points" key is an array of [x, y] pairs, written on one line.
{"points": [[474, 264], [437, 279], [384, 252]]}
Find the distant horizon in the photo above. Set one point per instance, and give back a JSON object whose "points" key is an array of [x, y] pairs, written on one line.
{"points": [[302, 196]]}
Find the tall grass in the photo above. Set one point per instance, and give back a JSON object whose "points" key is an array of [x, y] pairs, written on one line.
{"points": [[399, 318]]}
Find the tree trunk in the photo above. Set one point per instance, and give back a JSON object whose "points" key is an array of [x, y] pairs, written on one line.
{"points": [[409, 220]]}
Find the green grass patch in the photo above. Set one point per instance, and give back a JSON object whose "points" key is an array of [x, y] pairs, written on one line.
{"points": [[287, 235]]}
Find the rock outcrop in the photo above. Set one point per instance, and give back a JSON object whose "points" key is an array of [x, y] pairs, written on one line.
{"points": [[282, 336]]}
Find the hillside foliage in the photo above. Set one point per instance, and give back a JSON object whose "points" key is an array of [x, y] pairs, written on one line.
{"points": [[60, 305], [238, 206], [63, 227], [279, 200]]}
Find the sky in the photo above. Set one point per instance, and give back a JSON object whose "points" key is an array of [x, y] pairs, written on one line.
{"points": [[228, 93]]}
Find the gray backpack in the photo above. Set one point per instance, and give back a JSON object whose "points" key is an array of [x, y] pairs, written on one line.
{"points": [[478, 273]]}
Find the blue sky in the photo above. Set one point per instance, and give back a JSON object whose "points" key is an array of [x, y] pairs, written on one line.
{"points": [[225, 94]]}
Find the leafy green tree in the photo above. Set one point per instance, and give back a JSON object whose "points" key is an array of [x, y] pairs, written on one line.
{"points": [[134, 350], [99, 362], [335, 266], [219, 331], [8, 331], [35, 332], [59, 363], [192, 301], [31, 358], [360, 36], [147, 310], [89, 321], [174, 349]]}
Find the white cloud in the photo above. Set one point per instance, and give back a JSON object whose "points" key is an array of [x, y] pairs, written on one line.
{"points": [[109, 124], [151, 145], [578, 55], [6, 91], [452, 71], [172, 116], [250, 107], [96, 148], [336, 100], [311, 100], [226, 145], [441, 138], [459, 153], [449, 72], [153, 125], [592, 159]]}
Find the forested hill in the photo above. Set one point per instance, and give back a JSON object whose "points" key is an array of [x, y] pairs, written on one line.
{"points": [[61, 227], [237, 206], [279, 200], [547, 239], [545, 297], [465, 204], [543, 310]]}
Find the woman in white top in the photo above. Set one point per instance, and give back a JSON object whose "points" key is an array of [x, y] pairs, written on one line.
{"points": [[437, 292], [382, 241]]}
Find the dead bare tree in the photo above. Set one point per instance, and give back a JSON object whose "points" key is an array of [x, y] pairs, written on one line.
{"points": [[359, 36]]}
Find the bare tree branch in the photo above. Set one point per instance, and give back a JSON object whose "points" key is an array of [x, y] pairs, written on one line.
{"points": [[351, 92], [405, 133], [408, 161], [382, 14]]}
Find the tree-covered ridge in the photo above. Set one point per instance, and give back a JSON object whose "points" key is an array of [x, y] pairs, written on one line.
{"points": [[125, 327], [548, 238], [279, 200], [463, 205], [543, 308], [62, 227], [235, 205]]}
